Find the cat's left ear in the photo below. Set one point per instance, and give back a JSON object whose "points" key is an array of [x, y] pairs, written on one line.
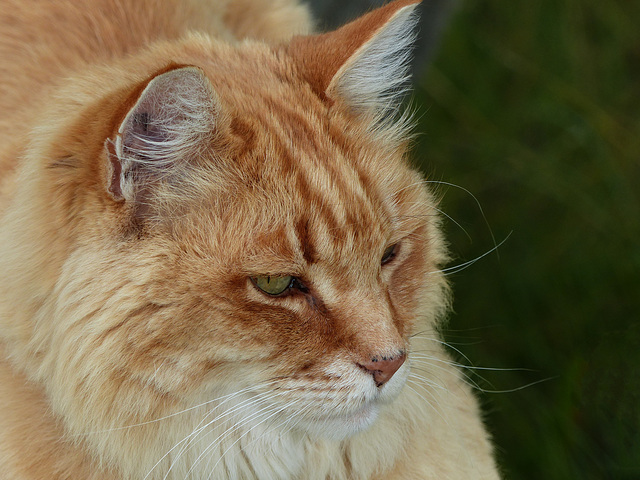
{"points": [[169, 123], [364, 63]]}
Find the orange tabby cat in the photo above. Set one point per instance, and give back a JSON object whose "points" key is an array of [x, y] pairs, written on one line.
{"points": [[215, 260]]}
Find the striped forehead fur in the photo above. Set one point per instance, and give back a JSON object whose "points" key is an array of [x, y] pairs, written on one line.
{"points": [[329, 150], [338, 184]]}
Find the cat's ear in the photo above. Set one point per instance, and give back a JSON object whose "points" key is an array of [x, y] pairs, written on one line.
{"points": [[364, 63], [170, 122]]}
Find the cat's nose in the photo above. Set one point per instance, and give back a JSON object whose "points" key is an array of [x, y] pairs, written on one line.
{"points": [[383, 368]]}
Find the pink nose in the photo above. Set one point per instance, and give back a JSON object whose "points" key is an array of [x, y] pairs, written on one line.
{"points": [[383, 368]]}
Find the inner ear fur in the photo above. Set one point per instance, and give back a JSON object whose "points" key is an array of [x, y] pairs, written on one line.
{"points": [[171, 121], [364, 63]]}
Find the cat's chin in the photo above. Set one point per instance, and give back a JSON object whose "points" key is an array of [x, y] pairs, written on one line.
{"points": [[339, 425], [342, 426]]}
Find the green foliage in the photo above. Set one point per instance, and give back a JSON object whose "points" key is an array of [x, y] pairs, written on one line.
{"points": [[534, 108]]}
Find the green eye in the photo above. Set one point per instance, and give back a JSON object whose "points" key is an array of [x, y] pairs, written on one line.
{"points": [[389, 253], [273, 285]]}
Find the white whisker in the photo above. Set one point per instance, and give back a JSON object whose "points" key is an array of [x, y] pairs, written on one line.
{"points": [[189, 438], [141, 424], [445, 344], [468, 367], [260, 399], [462, 266], [412, 381], [418, 358], [271, 412]]}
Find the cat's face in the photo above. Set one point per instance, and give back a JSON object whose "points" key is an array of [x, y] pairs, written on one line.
{"points": [[250, 242], [336, 221]]}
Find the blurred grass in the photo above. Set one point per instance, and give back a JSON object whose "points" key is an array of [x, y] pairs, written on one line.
{"points": [[534, 107]]}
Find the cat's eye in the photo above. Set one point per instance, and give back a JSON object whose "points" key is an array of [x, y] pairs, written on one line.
{"points": [[389, 254], [273, 285]]}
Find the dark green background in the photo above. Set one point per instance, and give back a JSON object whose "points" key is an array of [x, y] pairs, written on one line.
{"points": [[534, 107]]}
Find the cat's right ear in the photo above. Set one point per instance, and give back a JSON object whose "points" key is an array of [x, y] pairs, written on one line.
{"points": [[169, 122], [365, 63]]}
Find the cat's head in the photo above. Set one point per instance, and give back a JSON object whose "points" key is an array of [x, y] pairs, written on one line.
{"points": [[241, 223]]}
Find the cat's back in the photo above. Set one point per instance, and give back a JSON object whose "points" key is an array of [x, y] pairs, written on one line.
{"points": [[40, 39], [54, 36], [43, 41]]}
